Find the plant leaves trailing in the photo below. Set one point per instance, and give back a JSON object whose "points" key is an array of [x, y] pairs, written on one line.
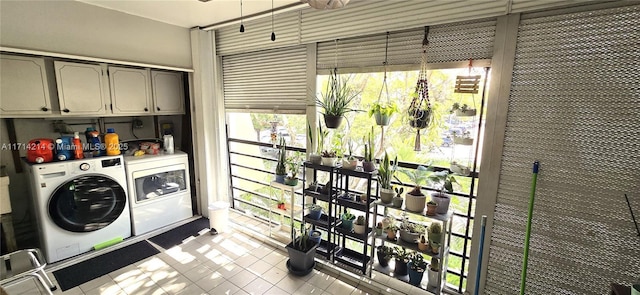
{"points": [[337, 97]]}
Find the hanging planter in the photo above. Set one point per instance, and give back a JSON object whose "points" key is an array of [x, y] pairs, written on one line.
{"points": [[332, 121], [464, 139], [463, 111], [383, 111], [420, 111], [459, 169]]}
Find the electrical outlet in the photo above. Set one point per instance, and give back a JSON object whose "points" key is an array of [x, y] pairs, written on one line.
{"points": [[137, 124]]}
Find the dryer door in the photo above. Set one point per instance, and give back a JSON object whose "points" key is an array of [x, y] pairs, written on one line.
{"points": [[87, 203]]}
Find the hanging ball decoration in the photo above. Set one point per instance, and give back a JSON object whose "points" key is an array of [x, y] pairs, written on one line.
{"points": [[241, 28], [326, 4], [273, 36]]}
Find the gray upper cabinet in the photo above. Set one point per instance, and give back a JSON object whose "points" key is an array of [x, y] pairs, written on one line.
{"points": [[24, 87], [81, 89], [168, 92], [130, 91]]}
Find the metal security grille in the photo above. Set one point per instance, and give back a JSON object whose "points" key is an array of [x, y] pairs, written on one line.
{"points": [[271, 80], [451, 42], [575, 107]]}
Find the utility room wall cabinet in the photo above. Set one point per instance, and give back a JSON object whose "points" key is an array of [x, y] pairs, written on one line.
{"points": [[24, 86], [130, 90], [81, 89], [168, 92]]}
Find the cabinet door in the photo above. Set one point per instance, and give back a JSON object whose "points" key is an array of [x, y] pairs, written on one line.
{"points": [[24, 89], [80, 88], [130, 90], [168, 92]]}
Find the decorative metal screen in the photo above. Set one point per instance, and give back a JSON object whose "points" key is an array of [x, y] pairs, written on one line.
{"points": [[268, 80], [451, 42], [575, 107]]}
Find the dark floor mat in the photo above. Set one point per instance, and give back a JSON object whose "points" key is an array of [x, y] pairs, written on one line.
{"points": [[177, 235], [96, 267]]}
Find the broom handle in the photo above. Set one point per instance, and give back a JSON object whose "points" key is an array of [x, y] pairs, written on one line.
{"points": [[483, 226], [523, 279]]}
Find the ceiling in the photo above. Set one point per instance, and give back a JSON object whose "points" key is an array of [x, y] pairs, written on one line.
{"points": [[191, 13]]}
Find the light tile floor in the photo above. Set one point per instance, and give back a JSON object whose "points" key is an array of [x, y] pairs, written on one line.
{"points": [[229, 263]]}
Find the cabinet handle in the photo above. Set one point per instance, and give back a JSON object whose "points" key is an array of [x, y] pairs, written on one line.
{"points": [[146, 109], [66, 110], [44, 109], [158, 108]]}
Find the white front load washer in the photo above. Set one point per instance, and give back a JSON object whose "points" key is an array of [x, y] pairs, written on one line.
{"points": [[159, 190], [79, 203]]}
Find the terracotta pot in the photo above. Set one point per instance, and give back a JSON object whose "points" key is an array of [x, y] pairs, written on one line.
{"points": [[423, 247], [431, 209]]}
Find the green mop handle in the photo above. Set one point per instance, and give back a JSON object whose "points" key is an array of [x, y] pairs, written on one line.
{"points": [[523, 280]]}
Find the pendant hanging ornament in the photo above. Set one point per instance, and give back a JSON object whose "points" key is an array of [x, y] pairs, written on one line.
{"points": [[241, 23], [420, 110], [273, 34]]}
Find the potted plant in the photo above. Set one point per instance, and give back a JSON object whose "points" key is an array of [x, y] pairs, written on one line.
{"points": [[385, 253], [434, 272], [402, 258], [459, 169], [379, 229], [410, 232], [462, 139], [383, 112], [316, 147], [417, 267], [368, 165], [415, 199], [329, 158], [347, 220], [385, 174], [315, 211], [359, 225], [423, 243], [391, 229], [462, 111], [301, 252], [431, 208], [294, 166], [281, 168], [336, 99], [350, 162], [435, 247], [315, 236], [435, 233], [442, 180], [281, 204], [398, 200]]}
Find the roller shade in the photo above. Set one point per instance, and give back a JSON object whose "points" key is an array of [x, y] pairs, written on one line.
{"points": [[575, 107], [447, 43], [270, 80]]}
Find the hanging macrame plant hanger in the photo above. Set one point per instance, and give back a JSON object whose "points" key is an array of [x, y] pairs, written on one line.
{"points": [[420, 109], [382, 120]]}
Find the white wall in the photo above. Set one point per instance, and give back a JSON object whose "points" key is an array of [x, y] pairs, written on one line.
{"points": [[77, 28]]}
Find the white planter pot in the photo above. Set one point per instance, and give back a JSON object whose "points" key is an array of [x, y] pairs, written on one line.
{"points": [[315, 159], [358, 229], [386, 195], [349, 164], [414, 203], [329, 161], [443, 201], [433, 277]]}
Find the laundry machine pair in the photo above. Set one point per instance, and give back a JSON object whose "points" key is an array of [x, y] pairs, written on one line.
{"points": [[79, 204]]}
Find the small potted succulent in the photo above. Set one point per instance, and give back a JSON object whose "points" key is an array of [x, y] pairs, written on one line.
{"points": [[462, 110], [462, 139], [379, 229], [417, 267], [402, 258], [315, 211], [435, 234], [315, 236], [281, 205], [385, 253], [359, 225], [423, 243], [317, 146], [410, 232], [391, 229], [385, 174], [350, 162], [329, 158], [383, 112], [433, 272], [397, 199], [347, 220], [431, 208]]}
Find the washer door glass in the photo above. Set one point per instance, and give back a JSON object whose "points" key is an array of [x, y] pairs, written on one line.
{"points": [[87, 203]]}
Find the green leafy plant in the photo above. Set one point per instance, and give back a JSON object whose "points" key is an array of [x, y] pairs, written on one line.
{"points": [[417, 262], [443, 180], [386, 171], [383, 109], [338, 96], [301, 241], [401, 254], [386, 252], [418, 176], [348, 216], [281, 168], [457, 106]]}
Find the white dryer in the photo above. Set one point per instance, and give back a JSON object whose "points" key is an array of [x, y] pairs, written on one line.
{"points": [[79, 204], [159, 190]]}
